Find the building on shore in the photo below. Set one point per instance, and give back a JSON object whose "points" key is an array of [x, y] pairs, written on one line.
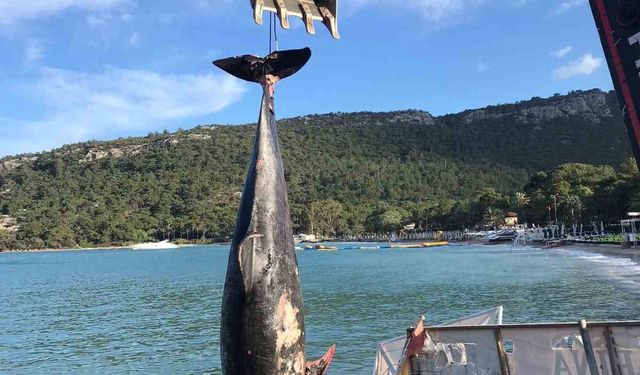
{"points": [[630, 230], [511, 220]]}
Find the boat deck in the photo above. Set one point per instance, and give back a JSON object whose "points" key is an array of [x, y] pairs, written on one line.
{"points": [[523, 349]]}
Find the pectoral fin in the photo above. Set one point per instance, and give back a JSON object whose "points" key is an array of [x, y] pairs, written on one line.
{"points": [[245, 258], [321, 366]]}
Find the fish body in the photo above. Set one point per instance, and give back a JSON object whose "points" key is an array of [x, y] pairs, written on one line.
{"points": [[262, 328]]}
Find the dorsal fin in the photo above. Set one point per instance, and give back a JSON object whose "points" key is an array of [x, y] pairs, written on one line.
{"points": [[281, 64]]}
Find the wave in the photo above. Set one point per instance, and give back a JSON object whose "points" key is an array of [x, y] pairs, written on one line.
{"points": [[624, 270]]}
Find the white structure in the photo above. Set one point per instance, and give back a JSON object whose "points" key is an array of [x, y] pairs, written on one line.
{"points": [[304, 238], [155, 246], [631, 229]]}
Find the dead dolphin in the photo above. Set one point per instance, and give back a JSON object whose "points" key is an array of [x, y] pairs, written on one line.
{"points": [[262, 328]]}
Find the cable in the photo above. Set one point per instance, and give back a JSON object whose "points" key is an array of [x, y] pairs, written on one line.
{"points": [[275, 32], [270, 27]]}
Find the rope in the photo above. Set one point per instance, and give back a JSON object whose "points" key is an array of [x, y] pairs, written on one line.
{"points": [[270, 28], [275, 32]]}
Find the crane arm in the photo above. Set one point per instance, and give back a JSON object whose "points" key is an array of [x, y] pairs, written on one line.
{"points": [[618, 24]]}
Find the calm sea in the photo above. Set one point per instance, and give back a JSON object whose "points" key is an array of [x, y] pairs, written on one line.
{"points": [[157, 312]]}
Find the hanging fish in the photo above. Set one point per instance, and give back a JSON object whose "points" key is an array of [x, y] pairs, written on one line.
{"points": [[262, 330]]}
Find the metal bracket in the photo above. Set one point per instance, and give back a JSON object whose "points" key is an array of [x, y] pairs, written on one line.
{"points": [[588, 348], [309, 11], [283, 13]]}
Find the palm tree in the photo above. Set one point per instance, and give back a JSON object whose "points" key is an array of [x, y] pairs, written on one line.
{"points": [[493, 217], [574, 205], [521, 200]]}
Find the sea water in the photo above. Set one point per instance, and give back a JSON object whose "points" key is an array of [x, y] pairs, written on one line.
{"points": [[158, 311]]}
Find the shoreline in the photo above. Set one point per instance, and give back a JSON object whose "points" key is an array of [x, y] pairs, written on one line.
{"points": [[64, 250], [604, 249], [607, 250], [127, 247]]}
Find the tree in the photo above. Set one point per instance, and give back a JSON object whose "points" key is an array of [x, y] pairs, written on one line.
{"points": [[7, 240], [61, 236], [387, 218], [493, 217], [327, 217], [488, 196], [629, 167], [521, 200], [573, 206], [139, 236]]}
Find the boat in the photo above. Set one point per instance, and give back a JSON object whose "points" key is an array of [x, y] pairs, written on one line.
{"points": [[502, 236], [419, 245], [300, 238], [406, 246], [435, 244], [482, 344], [326, 248], [155, 246], [390, 353], [308, 247]]}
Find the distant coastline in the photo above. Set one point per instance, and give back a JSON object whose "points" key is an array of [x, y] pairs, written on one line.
{"points": [[93, 248], [604, 249], [347, 175], [14, 251]]}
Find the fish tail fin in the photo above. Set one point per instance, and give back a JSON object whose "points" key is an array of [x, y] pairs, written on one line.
{"points": [[321, 366], [280, 64]]}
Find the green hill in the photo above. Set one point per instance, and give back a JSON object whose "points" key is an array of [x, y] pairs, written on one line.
{"points": [[378, 167]]}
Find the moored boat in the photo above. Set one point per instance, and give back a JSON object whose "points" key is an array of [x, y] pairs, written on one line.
{"points": [[406, 246], [155, 246], [507, 235], [326, 248], [418, 245], [435, 244]]}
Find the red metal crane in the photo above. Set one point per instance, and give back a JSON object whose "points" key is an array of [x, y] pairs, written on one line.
{"points": [[618, 24]]}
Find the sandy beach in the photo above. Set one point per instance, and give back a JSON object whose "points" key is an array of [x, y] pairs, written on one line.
{"points": [[609, 250], [127, 247], [65, 250]]}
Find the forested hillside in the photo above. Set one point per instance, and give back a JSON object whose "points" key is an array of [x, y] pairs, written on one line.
{"points": [[373, 170]]}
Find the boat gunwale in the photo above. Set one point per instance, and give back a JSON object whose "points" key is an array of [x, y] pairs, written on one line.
{"points": [[596, 324]]}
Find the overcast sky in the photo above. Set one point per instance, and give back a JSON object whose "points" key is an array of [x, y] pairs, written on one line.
{"points": [[74, 70]]}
